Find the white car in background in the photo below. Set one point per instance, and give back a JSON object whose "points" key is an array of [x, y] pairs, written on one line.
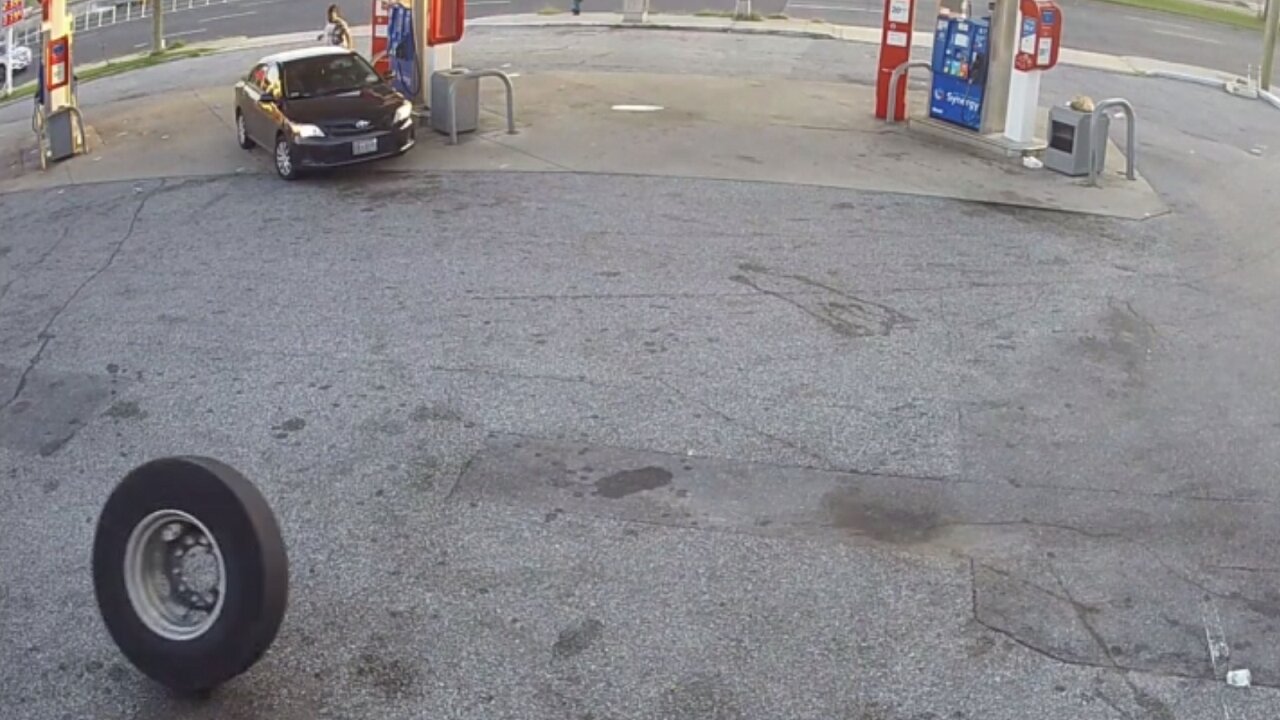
{"points": [[21, 59]]}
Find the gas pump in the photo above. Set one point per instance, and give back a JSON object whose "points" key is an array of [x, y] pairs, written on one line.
{"points": [[960, 58], [1039, 38], [402, 51], [378, 40], [57, 120], [413, 39]]}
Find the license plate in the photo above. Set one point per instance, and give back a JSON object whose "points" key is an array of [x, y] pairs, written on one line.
{"points": [[364, 147]]}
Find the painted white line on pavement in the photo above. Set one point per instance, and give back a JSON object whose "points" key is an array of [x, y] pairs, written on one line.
{"points": [[837, 8], [256, 3], [489, 2], [1188, 36], [1149, 21], [228, 17]]}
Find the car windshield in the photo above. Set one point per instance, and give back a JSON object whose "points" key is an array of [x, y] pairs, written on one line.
{"points": [[327, 75]]}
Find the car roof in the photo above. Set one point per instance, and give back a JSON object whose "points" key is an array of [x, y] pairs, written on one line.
{"points": [[307, 52]]}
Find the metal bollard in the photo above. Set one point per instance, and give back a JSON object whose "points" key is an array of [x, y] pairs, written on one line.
{"points": [[892, 111], [453, 105], [1130, 144]]}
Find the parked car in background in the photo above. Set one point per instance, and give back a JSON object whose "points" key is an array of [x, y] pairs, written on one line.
{"points": [[21, 59], [320, 107]]}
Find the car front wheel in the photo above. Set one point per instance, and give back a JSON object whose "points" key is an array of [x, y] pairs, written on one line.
{"points": [[286, 164], [242, 133]]}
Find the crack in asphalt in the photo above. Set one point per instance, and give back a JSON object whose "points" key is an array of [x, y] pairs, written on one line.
{"points": [[463, 370], [44, 335], [741, 424]]}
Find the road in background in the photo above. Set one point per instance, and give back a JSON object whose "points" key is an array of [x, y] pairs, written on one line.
{"points": [[269, 17], [1093, 26]]}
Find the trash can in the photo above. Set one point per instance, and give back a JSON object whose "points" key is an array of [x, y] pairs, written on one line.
{"points": [[1071, 141], [466, 99], [61, 131]]}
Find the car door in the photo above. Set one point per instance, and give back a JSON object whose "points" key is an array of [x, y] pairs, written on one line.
{"points": [[272, 104], [252, 105]]}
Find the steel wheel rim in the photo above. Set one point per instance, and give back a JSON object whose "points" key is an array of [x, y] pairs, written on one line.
{"points": [[157, 557], [284, 163]]}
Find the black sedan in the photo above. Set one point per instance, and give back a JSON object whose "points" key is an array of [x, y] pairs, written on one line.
{"points": [[321, 107]]}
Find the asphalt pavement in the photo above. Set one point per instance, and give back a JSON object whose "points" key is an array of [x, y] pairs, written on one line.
{"points": [[595, 445]]}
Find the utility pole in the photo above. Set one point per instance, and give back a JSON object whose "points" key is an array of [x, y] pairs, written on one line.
{"points": [[1269, 43], [157, 25]]}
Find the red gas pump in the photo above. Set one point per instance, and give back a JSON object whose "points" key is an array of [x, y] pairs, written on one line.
{"points": [[895, 49], [1040, 35], [57, 63], [445, 20], [378, 39]]}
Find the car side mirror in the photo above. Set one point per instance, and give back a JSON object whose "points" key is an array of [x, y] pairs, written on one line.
{"points": [[268, 99]]}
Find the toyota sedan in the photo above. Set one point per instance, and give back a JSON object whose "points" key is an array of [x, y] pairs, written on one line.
{"points": [[320, 107]]}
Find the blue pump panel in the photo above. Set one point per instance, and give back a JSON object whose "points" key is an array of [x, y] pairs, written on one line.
{"points": [[960, 50], [402, 51]]}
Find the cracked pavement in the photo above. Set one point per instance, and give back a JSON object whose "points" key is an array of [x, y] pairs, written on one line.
{"points": [[815, 459], [596, 446]]}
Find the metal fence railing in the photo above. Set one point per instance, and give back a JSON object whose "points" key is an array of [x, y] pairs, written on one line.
{"points": [[90, 16]]}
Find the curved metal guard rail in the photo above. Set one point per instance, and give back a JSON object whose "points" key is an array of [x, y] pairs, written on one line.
{"points": [[453, 105], [892, 111], [1100, 142]]}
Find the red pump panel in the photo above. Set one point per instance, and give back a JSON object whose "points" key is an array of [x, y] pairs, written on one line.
{"points": [[378, 41], [895, 49], [445, 21], [1040, 35], [57, 63]]}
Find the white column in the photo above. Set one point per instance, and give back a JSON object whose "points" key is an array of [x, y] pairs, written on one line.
{"points": [[441, 57], [1024, 93], [1024, 106]]}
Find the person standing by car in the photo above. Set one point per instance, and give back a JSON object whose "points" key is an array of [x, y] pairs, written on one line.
{"points": [[336, 30]]}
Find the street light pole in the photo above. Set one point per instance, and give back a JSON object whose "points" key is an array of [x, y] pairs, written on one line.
{"points": [[8, 61], [157, 25], [1269, 43]]}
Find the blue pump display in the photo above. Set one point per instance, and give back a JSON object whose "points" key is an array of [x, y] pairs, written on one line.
{"points": [[960, 49], [402, 51]]}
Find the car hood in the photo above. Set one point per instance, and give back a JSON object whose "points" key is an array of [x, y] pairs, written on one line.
{"points": [[375, 104]]}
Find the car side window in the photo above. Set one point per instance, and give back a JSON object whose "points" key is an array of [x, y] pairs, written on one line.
{"points": [[273, 81], [257, 78]]}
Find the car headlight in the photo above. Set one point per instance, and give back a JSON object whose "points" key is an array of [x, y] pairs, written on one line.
{"points": [[403, 113], [303, 130]]}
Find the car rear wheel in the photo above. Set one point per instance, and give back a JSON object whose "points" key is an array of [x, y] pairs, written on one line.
{"points": [[242, 133], [286, 162]]}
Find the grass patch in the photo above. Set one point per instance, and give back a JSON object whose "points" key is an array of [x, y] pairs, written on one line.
{"points": [[1223, 15], [174, 52], [779, 16], [548, 10]]}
